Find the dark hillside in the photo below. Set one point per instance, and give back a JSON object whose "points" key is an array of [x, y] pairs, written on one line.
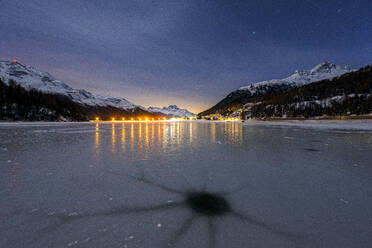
{"points": [[350, 93], [17, 103]]}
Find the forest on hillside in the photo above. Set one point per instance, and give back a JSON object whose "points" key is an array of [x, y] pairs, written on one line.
{"points": [[17, 103], [238, 98], [348, 94]]}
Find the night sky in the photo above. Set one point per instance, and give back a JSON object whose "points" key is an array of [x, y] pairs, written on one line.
{"points": [[191, 53]]}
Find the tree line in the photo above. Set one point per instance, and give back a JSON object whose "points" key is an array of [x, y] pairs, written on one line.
{"points": [[18, 103], [348, 94]]}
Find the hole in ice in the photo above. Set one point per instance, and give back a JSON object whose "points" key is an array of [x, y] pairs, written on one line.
{"points": [[208, 204], [312, 150]]}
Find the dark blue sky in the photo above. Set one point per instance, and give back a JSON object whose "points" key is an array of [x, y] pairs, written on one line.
{"points": [[191, 53]]}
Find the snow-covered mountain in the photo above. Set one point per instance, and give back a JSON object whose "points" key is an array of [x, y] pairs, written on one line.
{"points": [[349, 94], [31, 78], [172, 110], [245, 94], [325, 70]]}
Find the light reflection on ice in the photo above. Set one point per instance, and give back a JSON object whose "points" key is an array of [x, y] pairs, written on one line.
{"points": [[153, 134]]}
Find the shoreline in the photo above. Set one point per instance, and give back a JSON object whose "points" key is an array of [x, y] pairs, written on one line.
{"points": [[320, 118], [335, 124], [346, 124]]}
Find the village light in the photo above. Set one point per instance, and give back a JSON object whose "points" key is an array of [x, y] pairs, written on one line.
{"points": [[113, 118]]}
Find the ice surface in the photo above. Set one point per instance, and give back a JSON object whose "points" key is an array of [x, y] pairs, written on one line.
{"points": [[184, 184]]}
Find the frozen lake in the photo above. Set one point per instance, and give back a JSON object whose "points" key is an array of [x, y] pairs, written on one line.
{"points": [[184, 184]]}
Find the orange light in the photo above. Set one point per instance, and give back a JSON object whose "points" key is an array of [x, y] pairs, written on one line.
{"points": [[164, 118], [97, 118], [153, 118], [131, 119], [113, 118], [123, 119], [146, 118], [139, 119], [14, 61]]}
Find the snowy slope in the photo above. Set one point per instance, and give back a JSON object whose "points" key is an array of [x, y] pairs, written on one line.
{"points": [[320, 72], [245, 94], [31, 78], [172, 110]]}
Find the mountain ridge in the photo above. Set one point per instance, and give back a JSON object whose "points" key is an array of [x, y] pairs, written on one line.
{"points": [[29, 94], [28, 77], [324, 70], [241, 96], [346, 95], [172, 110]]}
